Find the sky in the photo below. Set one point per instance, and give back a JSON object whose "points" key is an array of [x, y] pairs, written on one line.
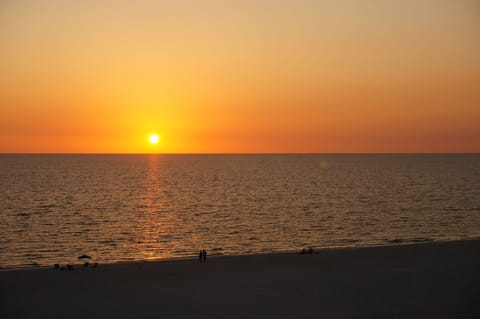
{"points": [[264, 76]]}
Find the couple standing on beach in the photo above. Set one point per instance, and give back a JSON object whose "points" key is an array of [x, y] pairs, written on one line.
{"points": [[202, 255]]}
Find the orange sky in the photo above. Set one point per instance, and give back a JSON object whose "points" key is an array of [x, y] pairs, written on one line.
{"points": [[240, 76]]}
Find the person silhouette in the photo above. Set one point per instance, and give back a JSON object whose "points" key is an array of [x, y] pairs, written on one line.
{"points": [[200, 256], [204, 255]]}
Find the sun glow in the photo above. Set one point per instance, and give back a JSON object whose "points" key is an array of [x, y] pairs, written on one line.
{"points": [[153, 138]]}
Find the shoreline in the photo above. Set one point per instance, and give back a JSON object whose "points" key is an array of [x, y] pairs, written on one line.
{"points": [[194, 258]]}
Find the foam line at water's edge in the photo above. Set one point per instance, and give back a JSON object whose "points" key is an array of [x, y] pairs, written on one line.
{"points": [[216, 256]]}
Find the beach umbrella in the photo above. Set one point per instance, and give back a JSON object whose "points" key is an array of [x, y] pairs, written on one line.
{"points": [[84, 257]]}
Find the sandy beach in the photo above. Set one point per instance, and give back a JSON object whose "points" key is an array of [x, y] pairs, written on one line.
{"points": [[433, 280]]}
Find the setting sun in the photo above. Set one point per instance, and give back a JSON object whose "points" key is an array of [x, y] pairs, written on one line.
{"points": [[154, 138]]}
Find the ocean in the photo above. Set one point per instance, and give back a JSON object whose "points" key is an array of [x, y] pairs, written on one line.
{"points": [[54, 208]]}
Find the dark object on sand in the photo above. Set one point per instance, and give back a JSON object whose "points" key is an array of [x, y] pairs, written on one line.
{"points": [[56, 266], [84, 257], [302, 252], [94, 265], [310, 251], [202, 255], [69, 267], [86, 264]]}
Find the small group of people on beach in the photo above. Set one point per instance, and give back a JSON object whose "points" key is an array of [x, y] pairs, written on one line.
{"points": [[202, 255], [303, 251], [70, 267], [66, 267]]}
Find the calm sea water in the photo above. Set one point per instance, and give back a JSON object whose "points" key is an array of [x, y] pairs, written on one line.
{"points": [[54, 208]]}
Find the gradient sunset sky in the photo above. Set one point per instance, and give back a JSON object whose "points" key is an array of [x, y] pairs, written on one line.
{"points": [[239, 76]]}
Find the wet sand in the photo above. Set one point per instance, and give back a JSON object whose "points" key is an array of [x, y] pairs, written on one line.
{"points": [[434, 280]]}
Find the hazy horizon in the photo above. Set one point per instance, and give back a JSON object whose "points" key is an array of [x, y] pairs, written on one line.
{"points": [[246, 153]]}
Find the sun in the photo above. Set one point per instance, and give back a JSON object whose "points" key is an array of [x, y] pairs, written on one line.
{"points": [[153, 138]]}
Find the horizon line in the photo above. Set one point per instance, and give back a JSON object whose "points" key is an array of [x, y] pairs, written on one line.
{"points": [[242, 153]]}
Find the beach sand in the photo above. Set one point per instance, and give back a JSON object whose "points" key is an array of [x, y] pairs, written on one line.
{"points": [[433, 280]]}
